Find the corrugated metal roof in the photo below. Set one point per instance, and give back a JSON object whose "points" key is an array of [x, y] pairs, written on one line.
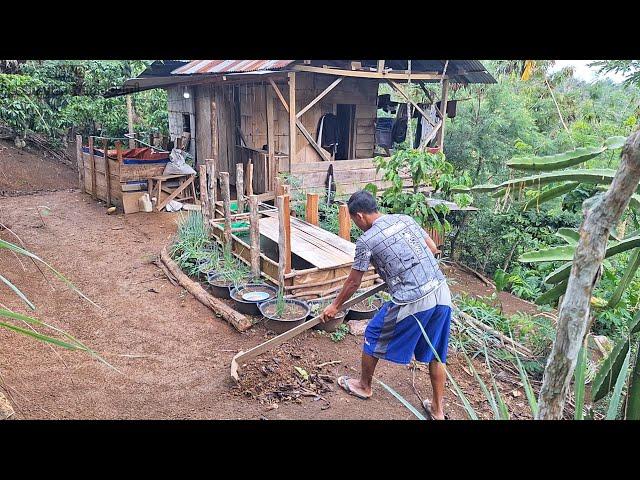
{"points": [[229, 66]]}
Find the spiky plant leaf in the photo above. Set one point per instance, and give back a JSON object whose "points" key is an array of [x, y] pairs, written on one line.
{"points": [[555, 162], [488, 395], [579, 383], [552, 294], [614, 403], [550, 194], [595, 176], [633, 404], [615, 142], [569, 235], [17, 291], [610, 370], [625, 281], [404, 402], [553, 254]]}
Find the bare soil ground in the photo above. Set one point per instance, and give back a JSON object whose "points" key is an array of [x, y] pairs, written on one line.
{"points": [[172, 353]]}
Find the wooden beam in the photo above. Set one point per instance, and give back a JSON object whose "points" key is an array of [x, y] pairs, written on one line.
{"points": [[204, 195], [211, 173], [293, 151], [279, 94], [93, 168], [249, 181], [254, 232], [214, 130], [240, 187], [368, 74], [319, 97], [380, 66], [80, 161], [443, 107], [300, 126], [415, 105], [311, 213], [282, 240], [132, 142], [344, 222], [226, 202], [107, 170], [272, 167]]}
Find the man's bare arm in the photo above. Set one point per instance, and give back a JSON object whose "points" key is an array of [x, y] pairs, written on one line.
{"points": [[351, 285], [431, 244]]}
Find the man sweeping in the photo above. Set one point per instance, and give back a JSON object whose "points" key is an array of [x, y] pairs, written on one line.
{"points": [[403, 255]]}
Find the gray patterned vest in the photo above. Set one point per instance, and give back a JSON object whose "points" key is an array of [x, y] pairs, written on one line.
{"points": [[400, 255]]}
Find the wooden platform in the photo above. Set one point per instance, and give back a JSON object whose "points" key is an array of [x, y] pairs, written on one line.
{"points": [[320, 248]]}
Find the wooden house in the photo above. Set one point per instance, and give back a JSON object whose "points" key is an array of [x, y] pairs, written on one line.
{"points": [[259, 111]]}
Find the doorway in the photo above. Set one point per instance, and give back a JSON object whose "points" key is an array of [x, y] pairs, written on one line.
{"points": [[346, 115]]}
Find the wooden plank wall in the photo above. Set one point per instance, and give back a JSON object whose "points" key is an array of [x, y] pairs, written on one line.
{"points": [[101, 178]]}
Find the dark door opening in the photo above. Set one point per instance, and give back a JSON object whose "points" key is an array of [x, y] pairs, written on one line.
{"points": [[346, 115]]}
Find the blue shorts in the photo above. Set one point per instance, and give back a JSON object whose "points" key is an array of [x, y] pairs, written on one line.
{"points": [[398, 341]]}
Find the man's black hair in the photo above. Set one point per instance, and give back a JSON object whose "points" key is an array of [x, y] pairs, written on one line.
{"points": [[362, 202]]}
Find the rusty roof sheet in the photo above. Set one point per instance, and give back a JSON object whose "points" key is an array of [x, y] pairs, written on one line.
{"points": [[229, 66]]}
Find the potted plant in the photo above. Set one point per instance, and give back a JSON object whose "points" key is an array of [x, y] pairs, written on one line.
{"points": [[317, 307], [282, 314], [249, 296], [366, 309], [228, 274]]}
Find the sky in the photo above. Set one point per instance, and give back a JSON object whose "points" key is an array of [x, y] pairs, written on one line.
{"points": [[583, 71]]}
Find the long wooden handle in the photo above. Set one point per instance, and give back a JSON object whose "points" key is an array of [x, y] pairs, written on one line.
{"points": [[283, 337]]}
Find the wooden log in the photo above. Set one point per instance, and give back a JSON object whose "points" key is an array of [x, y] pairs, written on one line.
{"points": [[312, 208], [287, 231], [328, 282], [204, 194], [443, 108], [80, 162], [249, 182], [239, 321], [226, 202], [272, 166], [93, 168], [211, 172], [282, 248], [254, 232], [344, 222], [107, 170], [240, 187], [132, 142], [574, 313], [292, 120]]}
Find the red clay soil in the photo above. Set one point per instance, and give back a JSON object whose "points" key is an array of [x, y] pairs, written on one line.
{"points": [[172, 354]]}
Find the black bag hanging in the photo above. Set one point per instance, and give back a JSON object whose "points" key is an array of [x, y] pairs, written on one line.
{"points": [[327, 132]]}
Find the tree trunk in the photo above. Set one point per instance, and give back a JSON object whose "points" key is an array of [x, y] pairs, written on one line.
{"points": [[573, 317]]}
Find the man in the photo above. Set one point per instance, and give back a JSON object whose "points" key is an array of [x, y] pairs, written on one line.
{"points": [[403, 255]]}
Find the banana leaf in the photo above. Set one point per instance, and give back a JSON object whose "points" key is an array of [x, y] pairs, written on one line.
{"points": [[553, 294], [610, 370], [557, 161], [551, 194], [625, 281], [602, 176]]}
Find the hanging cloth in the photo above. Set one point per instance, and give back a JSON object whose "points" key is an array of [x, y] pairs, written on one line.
{"points": [[399, 129], [327, 136]]}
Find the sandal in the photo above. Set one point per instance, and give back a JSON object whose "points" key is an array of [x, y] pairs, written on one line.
{"points": [[344, 383], [427, 408]]}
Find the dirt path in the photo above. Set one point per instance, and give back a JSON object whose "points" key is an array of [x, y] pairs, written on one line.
{"points": [[173, 353]]}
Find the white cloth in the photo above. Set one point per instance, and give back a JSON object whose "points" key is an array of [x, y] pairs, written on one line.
{"points": [[177, 164]]}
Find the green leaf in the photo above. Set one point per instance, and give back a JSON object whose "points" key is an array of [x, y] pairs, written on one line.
{"points": [[557, 161], [552, 294], [550, 194], [524, 378], [627, 278], [488, 395], [569, 235], [17, 292], [633, 403], [610, 369], [553, 254], [578, 384], [614, 403], [39, 336], [595, 176], [410, 407], [615, 142]]}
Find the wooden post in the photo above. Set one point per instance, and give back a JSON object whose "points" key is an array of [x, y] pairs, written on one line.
{"points": [[240, 187], [249, 182], [284, 240], [93, 168], [211, 172], [272, 168], [80, 160], [254, 232], [107, 170], [287, 229], [443, 110], [279, 189], [132, 142], [292, 119], [312, 208], [204, 196], [226, 202], [344, 222]]}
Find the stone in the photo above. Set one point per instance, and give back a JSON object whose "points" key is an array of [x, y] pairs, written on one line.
{"points": [[357, 327]]}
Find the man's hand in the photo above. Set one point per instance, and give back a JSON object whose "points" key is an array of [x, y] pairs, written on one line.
{"points": [[329, 313]]}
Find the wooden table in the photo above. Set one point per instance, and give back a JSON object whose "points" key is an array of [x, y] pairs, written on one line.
{"points": [[186, 185]]}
